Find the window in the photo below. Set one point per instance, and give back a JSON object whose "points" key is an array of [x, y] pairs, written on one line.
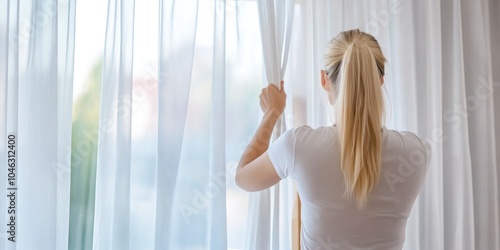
{"points": [[243, 84]]}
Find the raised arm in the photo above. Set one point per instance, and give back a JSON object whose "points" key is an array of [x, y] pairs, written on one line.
{"points": [[255, 170]]}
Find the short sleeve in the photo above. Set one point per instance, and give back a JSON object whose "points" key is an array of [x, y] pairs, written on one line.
{"points": [[424, 148], [428, 152], [282, 153]]}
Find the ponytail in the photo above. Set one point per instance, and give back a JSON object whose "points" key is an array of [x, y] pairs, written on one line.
{"points": [[360, 109]]}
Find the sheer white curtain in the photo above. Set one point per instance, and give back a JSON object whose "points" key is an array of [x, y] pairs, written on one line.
{"points": [[191, 168], [177, 40], [270, 210], [112, 204], [181, 220], [440, 83], [217, 229], [36, 79]]}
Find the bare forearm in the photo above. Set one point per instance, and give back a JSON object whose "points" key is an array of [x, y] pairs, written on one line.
{"points": [[260, 141]]}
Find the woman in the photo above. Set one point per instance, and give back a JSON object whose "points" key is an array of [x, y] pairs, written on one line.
{"points": [[356, 179]]}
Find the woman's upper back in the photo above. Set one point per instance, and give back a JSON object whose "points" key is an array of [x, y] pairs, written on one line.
{"points": [[329, 221]]}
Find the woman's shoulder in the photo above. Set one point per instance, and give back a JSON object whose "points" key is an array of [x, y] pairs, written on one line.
{"points": [[408, 141], [306, 131], [307, 138], [407, 136]]}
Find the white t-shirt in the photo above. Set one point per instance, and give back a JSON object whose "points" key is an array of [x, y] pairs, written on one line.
{"points": [[312, 158]]}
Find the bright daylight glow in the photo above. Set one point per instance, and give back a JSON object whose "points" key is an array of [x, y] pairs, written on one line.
{"points": [[243, 81]]}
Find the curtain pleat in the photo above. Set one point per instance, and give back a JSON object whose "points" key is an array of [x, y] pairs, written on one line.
{"points": [[428, 72], [494, 19], [112, 212], [39, 147], [9, 97], [270, 210], [259, 226], [178, 21], [66, 52], [217, 221], [37, 44], [476, 40], [459, 208], [441, 81]]}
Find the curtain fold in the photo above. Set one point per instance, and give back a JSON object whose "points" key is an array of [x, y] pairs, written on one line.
{"points": [[494, 8], [66, 16], [478, 69], [441, 81], [9, 98], [37, 78], [217, 221], [177, 36], [112, 205], [270, 213], [426, 118], [457, 178]]}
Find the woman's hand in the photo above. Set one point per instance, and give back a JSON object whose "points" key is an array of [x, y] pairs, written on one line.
{"points": [[273, 101]]}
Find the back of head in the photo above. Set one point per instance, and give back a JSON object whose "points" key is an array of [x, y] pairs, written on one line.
{"points": [[354, 64]]}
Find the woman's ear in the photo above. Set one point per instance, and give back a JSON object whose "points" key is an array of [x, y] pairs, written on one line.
{"points": [[324, 81]]}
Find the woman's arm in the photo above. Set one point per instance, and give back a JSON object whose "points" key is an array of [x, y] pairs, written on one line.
{"points": [[260, 141], [255, 170]]}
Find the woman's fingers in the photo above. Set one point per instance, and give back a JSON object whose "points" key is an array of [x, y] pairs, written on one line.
{"points": [[281, 89], [272, 85], [263, 104], [273, 97]]}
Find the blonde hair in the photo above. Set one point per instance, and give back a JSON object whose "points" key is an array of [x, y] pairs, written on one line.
{"points": [[357, 59]]}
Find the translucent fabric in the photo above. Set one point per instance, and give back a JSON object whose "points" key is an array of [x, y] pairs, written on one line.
{"points": [[112, 199], [441, 82], [271, 209], [36, 79]]}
